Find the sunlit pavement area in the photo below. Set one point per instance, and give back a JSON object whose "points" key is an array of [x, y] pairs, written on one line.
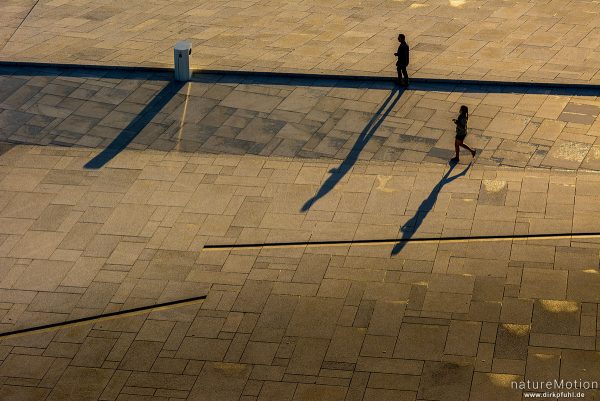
{"points": [[302, 238], [115, 188], [508, 40]]}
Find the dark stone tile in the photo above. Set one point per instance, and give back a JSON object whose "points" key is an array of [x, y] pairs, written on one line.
{"points": [[512, 341], [57, 90], [141, 355], [217, 144], [445, 381], [9, 86], [20, 96], [111, 96], [78, 124], [261, 130], [94, 109], [11, 121], [556, 317], [70, 387]]}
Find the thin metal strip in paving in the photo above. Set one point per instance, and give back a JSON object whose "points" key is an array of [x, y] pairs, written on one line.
{"points": [[20, 24], [387, 241], [103, 317]]}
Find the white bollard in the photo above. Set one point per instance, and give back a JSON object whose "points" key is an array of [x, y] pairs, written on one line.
{"points": [[182, 55]]}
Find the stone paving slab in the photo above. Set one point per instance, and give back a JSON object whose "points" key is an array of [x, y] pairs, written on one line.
{"points": [[513, 40], [300, 118]]}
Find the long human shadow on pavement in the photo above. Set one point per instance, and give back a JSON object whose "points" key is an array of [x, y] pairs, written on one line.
{"points": [[339, 172], [425, 207], [136, 126]]}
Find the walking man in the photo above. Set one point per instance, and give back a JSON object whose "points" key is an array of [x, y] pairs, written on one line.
{"points": [[402, 62], [461, 133]]}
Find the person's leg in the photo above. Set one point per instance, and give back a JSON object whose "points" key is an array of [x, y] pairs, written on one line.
{"points": [[468, 148], [399, 69], [405, 73], [457, 143]]}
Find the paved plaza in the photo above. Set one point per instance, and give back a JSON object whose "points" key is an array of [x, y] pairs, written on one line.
{"points": [[116, 187], [315, 118], [534, 40], [279, 237]]}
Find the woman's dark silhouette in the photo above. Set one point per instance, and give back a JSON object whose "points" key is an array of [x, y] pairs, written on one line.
{"points": [[461, 132]]}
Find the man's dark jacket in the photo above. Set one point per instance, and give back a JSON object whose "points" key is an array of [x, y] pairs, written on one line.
{"points": [[402, 55]]}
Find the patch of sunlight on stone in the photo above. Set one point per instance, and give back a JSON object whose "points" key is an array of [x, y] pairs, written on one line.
{"points": [[559, 306], [493, 185], [417, 5], [517, 329], [543, 357], [572, 151], [594, 153], [502, 380], [183, 117], [383, 180], [591, 271], [457, 3]]}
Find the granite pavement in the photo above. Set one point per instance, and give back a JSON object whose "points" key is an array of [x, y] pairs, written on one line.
{"points": [[115, 189], [533, 40]]}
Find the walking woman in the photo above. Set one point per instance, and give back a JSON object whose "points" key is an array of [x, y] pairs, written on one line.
{"points": [[461, 132]]}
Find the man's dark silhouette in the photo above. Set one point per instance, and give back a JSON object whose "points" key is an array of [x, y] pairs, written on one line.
{"points": [[402, 62]]}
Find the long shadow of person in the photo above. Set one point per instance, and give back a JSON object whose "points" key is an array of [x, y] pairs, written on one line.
{"points": [[425, 207], [338, 173]]}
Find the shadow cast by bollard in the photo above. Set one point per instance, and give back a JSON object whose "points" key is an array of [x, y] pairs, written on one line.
{"points": [[425, 207], [339, 172], [136, 126]]}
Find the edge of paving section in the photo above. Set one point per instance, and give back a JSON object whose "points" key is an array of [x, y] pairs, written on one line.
{"points": [[300, 75]]}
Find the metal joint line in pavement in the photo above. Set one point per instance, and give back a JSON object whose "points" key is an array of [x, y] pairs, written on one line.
{"points": [[388, 241], [104, 316], [20, 24]]}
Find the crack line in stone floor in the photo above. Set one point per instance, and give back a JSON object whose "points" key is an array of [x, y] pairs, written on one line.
{"points": [[390, 241], [103, 317], [20, 24]]}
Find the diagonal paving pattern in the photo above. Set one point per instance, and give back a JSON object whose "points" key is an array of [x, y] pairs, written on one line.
{"points": [[234, 160], [532, 40]]}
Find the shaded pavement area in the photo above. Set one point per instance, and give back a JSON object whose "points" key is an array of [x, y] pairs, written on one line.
{"points": [[298, 117]]}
